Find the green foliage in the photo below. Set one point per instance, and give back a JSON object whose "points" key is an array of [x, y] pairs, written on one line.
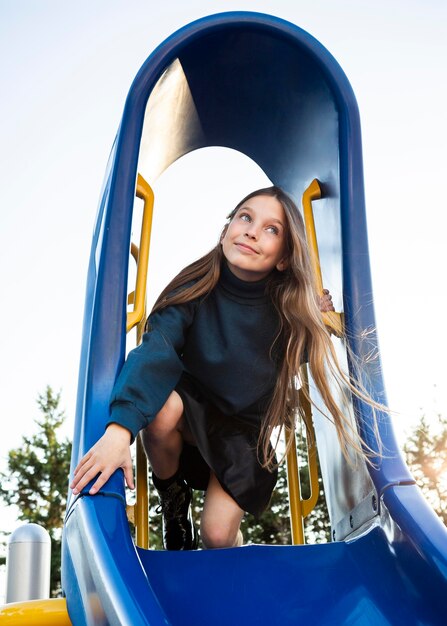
{"points": [[155, 532], [273, 526], [3, 541], [426, 455], [37, 477]]}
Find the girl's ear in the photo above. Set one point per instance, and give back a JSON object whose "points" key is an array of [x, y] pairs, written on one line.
{"points": [[282, 265]]}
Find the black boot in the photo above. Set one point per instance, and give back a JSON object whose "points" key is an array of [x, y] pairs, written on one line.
{"points": [[179, 532]]}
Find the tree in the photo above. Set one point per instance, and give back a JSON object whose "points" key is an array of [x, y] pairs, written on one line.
{"points": [[426, 455], [37, 478]]}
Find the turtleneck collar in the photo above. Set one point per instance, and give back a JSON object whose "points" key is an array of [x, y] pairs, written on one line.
{"points": [[251, 292]]}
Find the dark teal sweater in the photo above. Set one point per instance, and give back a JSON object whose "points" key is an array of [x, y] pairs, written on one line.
{"points": [[223, 341]]}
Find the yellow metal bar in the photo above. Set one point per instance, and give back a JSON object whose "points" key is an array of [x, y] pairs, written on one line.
{"points": [[313, 192], [311, 501], [52, 612], [134, 252], [138, 513], [142, 498], [144, 192], [294, 486], [142, 487], [332, 319], [299, 507]]}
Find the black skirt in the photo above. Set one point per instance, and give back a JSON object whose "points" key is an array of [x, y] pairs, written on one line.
{"points": [[227, 446]]}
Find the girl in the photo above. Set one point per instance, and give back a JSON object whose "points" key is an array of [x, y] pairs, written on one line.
{"points": [[217, 372]]}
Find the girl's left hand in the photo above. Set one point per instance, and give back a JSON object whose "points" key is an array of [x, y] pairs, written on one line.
{"points": [[326, 302]]}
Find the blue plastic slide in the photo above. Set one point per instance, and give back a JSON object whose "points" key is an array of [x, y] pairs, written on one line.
{"points": [[262, 86]]}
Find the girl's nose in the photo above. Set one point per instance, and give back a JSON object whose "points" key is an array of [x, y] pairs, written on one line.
{"points": [[251, 231]]}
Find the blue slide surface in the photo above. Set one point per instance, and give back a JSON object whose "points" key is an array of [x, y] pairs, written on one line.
{"points": [[266, 88]]}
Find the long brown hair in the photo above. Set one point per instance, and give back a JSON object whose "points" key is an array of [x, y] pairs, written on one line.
{"points": [[301, 330]]}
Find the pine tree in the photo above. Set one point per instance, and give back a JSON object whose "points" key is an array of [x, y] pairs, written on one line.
{"points": [[37, 477], [426, 455]]}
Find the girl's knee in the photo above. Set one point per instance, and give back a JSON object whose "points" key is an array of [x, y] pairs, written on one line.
{"points": [[219, 535], [221, 517], [168, 418]]}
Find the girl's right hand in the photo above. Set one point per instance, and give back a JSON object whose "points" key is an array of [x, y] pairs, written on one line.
{"points": [[326, 303], [104, 458]]}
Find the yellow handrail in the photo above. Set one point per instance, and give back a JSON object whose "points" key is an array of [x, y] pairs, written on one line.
{"points": [[144, 192], [138, 513], [50, 612], [299, 507], [142, 498], [332, 319]]}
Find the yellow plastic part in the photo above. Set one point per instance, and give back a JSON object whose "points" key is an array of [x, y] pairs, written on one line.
{"points": [[144, 192], [51, 612], [332, 319], [299, 507]]}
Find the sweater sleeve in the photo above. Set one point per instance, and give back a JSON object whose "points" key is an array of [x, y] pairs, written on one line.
{"points": [[152, 370]]}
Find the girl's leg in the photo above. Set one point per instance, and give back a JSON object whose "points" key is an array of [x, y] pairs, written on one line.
{"points": [[163, 443], [162, 439], [221, 518]]}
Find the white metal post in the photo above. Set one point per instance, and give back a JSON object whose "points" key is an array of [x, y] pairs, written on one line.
{"points": [[28, 564]]}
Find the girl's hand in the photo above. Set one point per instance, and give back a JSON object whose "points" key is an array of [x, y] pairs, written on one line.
{"points": [[326, 302], [107, 455]]}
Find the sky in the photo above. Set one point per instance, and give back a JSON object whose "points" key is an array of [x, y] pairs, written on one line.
{"points": [[65, 71]]}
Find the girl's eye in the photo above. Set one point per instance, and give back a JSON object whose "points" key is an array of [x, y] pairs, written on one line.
{"points": [[245, 217], [273, 230]]}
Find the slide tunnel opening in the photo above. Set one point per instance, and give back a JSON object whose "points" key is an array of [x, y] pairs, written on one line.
{"points": [[192, 199]]}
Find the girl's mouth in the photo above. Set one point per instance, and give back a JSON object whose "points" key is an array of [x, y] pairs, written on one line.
{"points": [[247, 248]]}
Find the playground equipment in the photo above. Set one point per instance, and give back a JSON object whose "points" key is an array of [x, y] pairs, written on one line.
{"points": [[264, 87]]}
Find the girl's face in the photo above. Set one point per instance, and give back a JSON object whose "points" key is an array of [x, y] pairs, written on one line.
{"points": [[255, 240]]}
